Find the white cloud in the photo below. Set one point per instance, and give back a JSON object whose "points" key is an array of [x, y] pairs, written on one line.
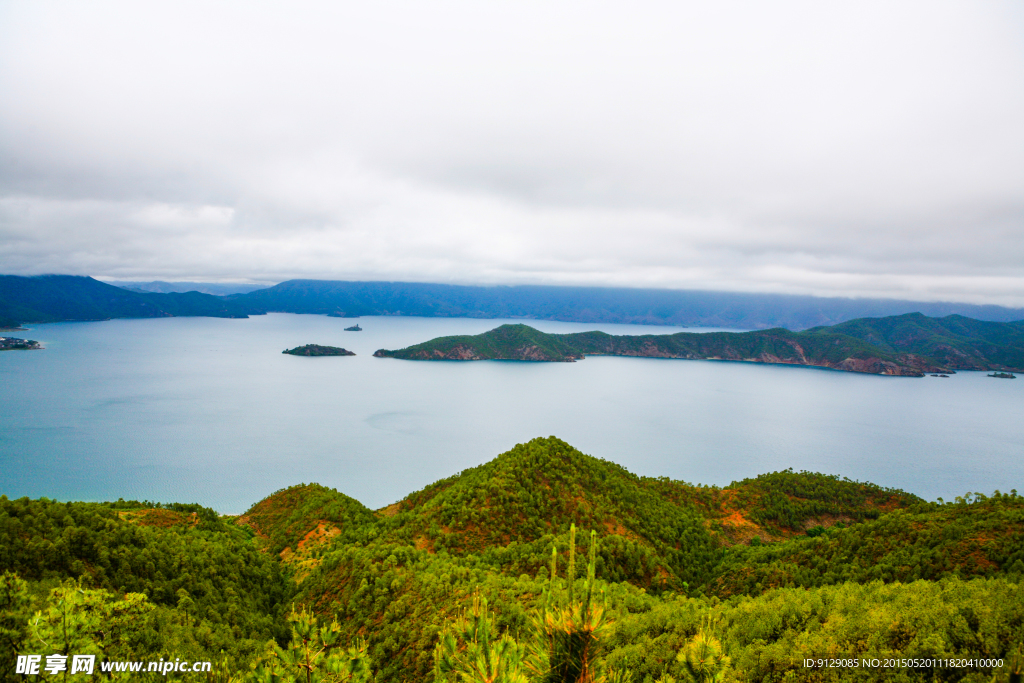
{"points": [[872, 149]]}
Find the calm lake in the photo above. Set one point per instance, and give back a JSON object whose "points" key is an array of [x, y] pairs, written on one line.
{"points": [[209, 410]]}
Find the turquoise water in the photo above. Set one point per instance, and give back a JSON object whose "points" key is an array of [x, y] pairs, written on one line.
{"points": [[209, 410]]}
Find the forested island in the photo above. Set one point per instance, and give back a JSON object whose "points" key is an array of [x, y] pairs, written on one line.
{"points": [[909, 345], [543, 558], [317, 350]]}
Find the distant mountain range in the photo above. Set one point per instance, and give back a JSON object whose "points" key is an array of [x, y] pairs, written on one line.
{"points": [[593, 304], [910, 345], [56, 298], [161, 287], [51, 298]]}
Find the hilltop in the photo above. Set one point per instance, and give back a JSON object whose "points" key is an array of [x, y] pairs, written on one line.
{"points": [[909, 345], [656, 533], [306, 513], [508, 342]]}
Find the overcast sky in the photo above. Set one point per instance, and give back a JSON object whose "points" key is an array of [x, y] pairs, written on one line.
{"points": [[856, 149]]}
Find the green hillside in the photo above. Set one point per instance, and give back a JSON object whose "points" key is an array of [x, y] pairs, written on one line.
{"points": [[910, 345], [955, 342], [187, 583], [759, 576], [507, 342]]}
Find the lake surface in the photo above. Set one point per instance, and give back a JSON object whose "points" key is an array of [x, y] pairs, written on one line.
{"points": [[209, 410]]}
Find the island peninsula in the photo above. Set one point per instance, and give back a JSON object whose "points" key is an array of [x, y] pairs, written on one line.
{"points": [[907, 345]]}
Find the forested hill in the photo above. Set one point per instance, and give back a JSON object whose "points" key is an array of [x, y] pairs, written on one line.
{"points": [[54, 298], [763, 574], [955, 342], [909, 345], [685, 308]]}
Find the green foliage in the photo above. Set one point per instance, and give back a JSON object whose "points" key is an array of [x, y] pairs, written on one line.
{"points": [[980, 537], [400, 598], [511, 508], [768, 637], [703, 660], [471, 651], [91, 622], [474, 579], [14, 612], [788, 499], [569, 631], [236, 590], [316, 654], [564, 645]]}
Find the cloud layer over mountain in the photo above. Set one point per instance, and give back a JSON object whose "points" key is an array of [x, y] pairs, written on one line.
{"points": [[873, 149]]}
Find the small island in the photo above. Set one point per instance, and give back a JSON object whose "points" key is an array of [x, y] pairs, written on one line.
{"points": [[317, 350], [1003, 375], [354, 328], [15, 344]]}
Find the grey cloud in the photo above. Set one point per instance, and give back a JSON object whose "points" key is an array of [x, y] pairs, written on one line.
{"points": [[868, 150]]}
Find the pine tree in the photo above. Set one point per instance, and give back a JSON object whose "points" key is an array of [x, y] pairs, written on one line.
{"points": [[470, 651], [315, 655], [568, 632]]}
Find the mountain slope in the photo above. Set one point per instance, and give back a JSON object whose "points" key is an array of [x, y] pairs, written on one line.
{"points": [[784, 567], [53, 298], [655, 533], [515, 505], [488, 533], [980, 537], [955, 342]]}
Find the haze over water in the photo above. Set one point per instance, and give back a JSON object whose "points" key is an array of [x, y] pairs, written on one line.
{"points": [[209, 410]]}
